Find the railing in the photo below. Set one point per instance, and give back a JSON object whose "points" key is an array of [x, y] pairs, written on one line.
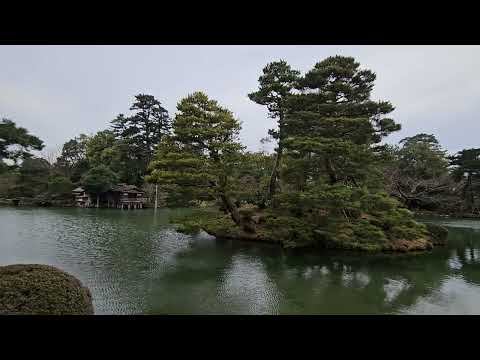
{"points": [[133, 200]]}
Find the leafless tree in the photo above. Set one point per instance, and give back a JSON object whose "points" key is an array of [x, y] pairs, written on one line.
{"points": [[51, 155]]}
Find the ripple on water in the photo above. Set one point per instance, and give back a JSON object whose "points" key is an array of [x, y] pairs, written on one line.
{"points": [[247, 289], [135, 262]]}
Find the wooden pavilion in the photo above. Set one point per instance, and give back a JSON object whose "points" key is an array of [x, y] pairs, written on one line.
{"points": [[123, 196], [82, 199]]}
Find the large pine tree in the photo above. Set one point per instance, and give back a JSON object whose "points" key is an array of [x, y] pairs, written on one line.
{"points": [[202, 153], [333, 121], [139, 134], [275, 85], [332, 132]]}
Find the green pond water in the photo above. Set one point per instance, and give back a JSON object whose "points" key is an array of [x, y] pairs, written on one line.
{"points": [[134, 262]]}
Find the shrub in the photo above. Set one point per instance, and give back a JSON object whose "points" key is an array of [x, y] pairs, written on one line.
{"points": [[42, 290]]}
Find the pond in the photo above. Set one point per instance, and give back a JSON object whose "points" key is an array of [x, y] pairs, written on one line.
{"points": [[134, 262]]}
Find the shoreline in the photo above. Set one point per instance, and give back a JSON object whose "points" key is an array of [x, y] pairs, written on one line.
{"points": [[437, 236], [32, 203]]}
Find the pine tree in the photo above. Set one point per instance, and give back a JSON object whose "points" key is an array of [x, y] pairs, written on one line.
{"points": [[140, 133], [332, 131], [334, 123], [275, 85], [16, 143], [202, 153]]}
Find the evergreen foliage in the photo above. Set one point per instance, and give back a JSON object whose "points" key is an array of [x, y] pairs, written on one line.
{"points": [[16, 143]]}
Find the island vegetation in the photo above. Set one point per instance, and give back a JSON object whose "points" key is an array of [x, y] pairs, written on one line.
{"points": [[332, 180]]}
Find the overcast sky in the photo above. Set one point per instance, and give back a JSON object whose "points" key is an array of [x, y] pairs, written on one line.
{"points": [[58, 92]]}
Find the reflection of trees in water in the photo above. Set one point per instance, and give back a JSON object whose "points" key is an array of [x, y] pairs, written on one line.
{"points": [[141, 267], [466, 245], [340, 283], [116, 252], [190, 285], [269, 280], [218, 277], [208, 276]]}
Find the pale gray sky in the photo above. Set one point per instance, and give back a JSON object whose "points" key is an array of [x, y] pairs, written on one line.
{"points": [[58, 92]]}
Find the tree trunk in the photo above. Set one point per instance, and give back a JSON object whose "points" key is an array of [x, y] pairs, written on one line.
{"points": [[330, 171], [156, 196], [244, 223], [273, 177], [231, 208], [468, 197], [98, 201]]}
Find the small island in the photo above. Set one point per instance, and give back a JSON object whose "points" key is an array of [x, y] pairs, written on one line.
{"points": [[323, 186], [331, 182]]}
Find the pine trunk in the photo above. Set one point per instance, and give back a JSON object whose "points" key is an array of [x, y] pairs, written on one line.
{"points": [[245, 224], [331, 172], [273, 177]]}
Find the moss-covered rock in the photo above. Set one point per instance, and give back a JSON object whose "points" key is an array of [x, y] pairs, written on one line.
{"points": [[42, 290]]}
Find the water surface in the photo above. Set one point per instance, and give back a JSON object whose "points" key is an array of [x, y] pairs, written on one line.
{"points": [[135, 262]]}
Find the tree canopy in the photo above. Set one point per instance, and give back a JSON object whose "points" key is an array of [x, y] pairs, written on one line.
{"points": [[16, 143], [139, 134], [202, 152], [466, 164], [422, 156], [72, 161], [98, 180], [275, 85]]}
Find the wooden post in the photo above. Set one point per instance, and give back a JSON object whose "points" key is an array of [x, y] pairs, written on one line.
{"points": [[156, 196]]}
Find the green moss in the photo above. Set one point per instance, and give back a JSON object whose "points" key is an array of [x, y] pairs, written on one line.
{"points": [[291, 232], [42, 290], [385, 228]]}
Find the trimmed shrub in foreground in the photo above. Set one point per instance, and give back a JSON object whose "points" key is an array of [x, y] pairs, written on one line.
{"points": [[42, 290]]}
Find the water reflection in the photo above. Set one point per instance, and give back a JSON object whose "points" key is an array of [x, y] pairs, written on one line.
{"points": [[135, 262]]}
